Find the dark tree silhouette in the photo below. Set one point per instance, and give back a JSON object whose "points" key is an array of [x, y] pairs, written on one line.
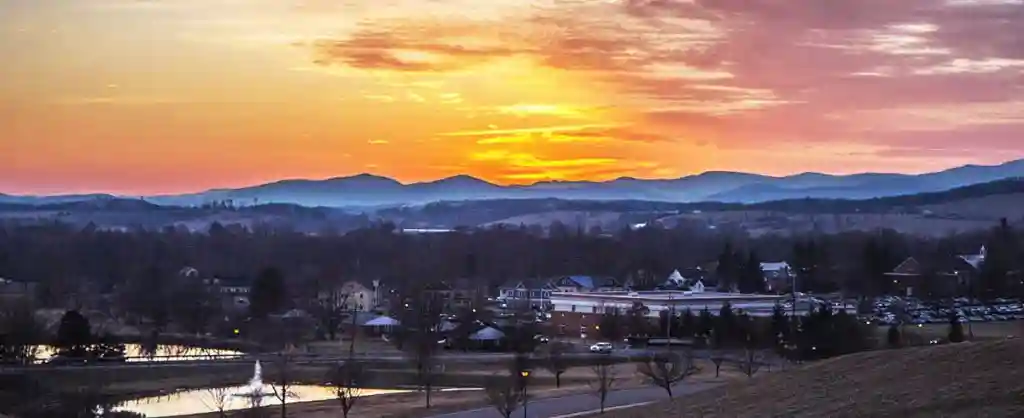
{"points": [[556, 360], [604, 379], [668, 369], [268, 294], [503, 394], [347, 382], [74, 335]]}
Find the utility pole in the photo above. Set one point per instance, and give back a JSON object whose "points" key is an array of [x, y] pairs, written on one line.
{"points": [[668, 321]]}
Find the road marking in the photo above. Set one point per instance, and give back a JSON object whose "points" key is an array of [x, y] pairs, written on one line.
{"points": [[598, 411]]}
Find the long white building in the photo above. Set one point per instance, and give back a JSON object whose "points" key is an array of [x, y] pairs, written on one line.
{"points": [[658, 301]]}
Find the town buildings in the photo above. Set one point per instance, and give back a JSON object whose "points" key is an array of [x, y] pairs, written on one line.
{"points": [[537, 292], [575, 313]]}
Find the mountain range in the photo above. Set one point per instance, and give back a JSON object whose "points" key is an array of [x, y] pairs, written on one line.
{"points": [[367, 190]]}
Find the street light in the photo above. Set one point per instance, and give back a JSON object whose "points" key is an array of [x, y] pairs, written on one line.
{"points": [[525, 374]]}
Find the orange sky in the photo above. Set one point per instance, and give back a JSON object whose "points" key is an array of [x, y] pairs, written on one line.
{"points": [[163, 96]]}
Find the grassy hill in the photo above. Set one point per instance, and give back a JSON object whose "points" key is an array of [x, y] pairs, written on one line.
{"points": [[978, 379]]}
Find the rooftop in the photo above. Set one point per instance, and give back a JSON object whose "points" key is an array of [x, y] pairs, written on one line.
{"points": [[664, 295]]}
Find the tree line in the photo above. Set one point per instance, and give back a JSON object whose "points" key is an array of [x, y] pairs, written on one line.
{"points": [[64, 258]]}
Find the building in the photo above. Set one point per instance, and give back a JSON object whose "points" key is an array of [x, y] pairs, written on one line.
{"points": [[778, 276], [458, 293], [580, 313], [357, 295], [576, 284], [234, 291], [535, 291], [677, 281]]}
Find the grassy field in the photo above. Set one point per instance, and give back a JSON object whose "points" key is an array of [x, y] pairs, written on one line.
{"points": [[981, 330], [966, 380]]}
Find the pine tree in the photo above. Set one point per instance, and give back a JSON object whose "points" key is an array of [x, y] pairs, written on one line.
{"points": [[956, 330], [751, 277], [727, 271], [893, 336]]}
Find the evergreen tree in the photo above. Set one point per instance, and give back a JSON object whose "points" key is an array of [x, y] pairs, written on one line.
{"points": [[779, 324], [879, 258], [893, 337], [956, 330], [74, 334], [268, 294], [687, 324], [726, 325], [728, 268], [751, 278], [705, 323]]}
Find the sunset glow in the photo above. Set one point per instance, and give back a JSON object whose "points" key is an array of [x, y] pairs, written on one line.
{"points": [[165, 96]]}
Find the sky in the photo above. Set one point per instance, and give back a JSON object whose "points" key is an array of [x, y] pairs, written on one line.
{"points": [[169, 96]]}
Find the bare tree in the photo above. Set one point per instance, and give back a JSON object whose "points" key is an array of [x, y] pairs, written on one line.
{"points": [[665, 370], [750, 362], [20, 332], [718, 357], [604, 379], [281, 385], [255, 404], [217, 399], [421, 321], [347, 381], [556, 362], [504, 395]]}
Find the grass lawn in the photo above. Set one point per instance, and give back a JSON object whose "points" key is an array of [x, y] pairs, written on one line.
{"points": [[981, 330], [966, 380]]}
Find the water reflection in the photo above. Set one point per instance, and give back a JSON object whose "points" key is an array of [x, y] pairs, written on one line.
{"points": [[139, 352], [209, 400]]}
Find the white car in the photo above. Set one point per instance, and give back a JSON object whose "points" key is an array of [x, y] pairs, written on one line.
{"points": [[601, 348]]}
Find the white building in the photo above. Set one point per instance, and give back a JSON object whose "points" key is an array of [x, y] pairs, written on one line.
{"points": [[658, 301]]}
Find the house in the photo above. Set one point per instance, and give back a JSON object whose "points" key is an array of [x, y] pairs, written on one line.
{"points": [[587, 284], [457, 293], [352, 295], [938, 278], [234, 290], [907, 276], [777, 275], [535, 291], [677, 281]]}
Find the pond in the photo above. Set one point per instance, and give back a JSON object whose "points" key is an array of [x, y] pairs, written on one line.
{"points": [[255, 393], [135, 352], [234, 398]]}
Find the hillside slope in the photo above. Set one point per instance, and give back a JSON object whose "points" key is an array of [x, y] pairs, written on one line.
{"points": [[956, 381]]}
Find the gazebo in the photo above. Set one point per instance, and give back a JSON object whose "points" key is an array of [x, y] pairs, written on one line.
{"points": [[382, 323]]}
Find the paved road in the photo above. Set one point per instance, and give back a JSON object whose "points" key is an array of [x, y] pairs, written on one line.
{"points": [[554, 407]]}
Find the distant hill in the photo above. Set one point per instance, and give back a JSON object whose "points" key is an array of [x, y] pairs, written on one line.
{"points": [[867, 186], [366, 190], [962, 209], [966, 380]]}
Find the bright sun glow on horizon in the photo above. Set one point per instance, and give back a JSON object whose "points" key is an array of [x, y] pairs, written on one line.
{"points": [[151, 97]]}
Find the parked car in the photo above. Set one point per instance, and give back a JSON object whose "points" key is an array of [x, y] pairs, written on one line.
{"points": [[601, 348]]}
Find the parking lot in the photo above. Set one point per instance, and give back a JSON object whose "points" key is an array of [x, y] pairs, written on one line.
{"points": [[890, 310]]}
